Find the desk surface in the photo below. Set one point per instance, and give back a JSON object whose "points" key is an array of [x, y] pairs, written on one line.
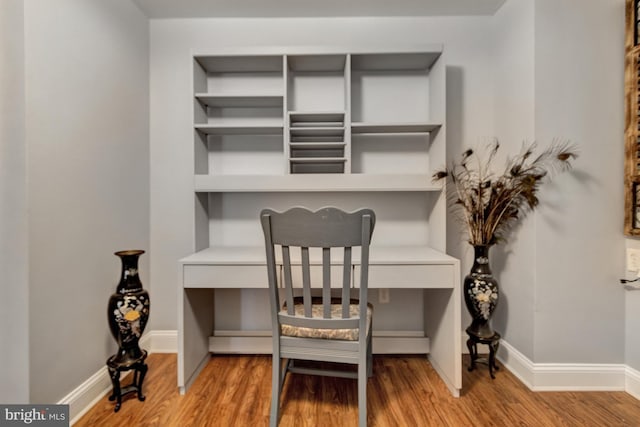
{"points": [[255, 255]]}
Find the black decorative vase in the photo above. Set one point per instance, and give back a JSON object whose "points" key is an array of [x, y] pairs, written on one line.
{"points": [[481, 294], [128, 311]]}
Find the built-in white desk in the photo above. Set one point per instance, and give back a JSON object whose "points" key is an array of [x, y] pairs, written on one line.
{"points": [[402, 267]]}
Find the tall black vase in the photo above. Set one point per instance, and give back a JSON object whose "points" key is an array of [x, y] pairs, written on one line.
{"points": [[128, 311], [481, 294]]}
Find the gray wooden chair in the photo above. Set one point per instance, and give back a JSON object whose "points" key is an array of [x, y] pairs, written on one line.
{"points": [[322, 328]]}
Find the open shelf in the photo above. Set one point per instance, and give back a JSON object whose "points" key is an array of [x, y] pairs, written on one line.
{"points": [[238, 101], [317, 62], [317, 165], [209, 129], [394, 61], [316, 131], [308, 145], [299, 118], [240, 63], [361, 128]]}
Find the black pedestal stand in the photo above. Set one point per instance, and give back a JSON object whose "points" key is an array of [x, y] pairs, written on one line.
{"points": [[493, 342], [139, 370]]}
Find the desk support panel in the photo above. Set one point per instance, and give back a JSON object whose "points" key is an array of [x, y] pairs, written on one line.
{"points": [[195, 325]]}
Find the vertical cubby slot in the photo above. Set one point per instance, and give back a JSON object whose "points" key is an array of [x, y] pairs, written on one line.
{"points": [[316, 104]]}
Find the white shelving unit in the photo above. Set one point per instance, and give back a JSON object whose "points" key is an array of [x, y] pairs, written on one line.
{"points": [[277, 127]]}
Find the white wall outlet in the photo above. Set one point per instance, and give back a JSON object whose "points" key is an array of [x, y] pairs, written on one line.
{"points": [[633, 259], [384, 297]]}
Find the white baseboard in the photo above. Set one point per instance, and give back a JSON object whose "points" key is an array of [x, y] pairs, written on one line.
{"points": [[87, 394], [98, 385], [565, 376], [632, 383], [160, 341]]}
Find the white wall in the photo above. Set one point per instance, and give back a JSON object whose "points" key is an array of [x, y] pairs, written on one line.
{"points": [[88, 165], [513, 104], [579, 305], [632, 311], [632, 318], [172, 200], [14, 335], [559, 74]]}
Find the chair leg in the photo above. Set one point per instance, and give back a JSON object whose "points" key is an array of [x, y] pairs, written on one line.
{"points": [[362, 394], [369, 357], [277, 379], [288, 364]]}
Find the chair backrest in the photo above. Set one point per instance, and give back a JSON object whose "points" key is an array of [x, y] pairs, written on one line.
{"points": [[297, 232]]}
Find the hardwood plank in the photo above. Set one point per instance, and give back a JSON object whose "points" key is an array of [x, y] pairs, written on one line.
{"points": [[404, 391]]}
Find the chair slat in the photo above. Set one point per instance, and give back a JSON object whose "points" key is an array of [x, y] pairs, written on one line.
{"points": [[326, 282], [367, 224], [288, 284], [346, 282], [306, 281]]}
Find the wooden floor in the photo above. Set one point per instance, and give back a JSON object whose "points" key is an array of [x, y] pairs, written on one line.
{"points": [[404, 391]]}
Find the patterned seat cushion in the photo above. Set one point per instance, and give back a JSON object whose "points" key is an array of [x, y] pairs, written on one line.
{"points": [[332, 334]]}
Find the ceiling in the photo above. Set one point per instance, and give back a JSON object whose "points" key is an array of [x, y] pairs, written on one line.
{"points": [[161, 9]]}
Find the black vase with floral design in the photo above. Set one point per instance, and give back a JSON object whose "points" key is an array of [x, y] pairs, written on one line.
{"points": [[481, 294], [128, 310]]}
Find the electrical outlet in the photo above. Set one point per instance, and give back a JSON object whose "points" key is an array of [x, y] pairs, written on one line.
{"points": [[633, 259], [383, 296]]}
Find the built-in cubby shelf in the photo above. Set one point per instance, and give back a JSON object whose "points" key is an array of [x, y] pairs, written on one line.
{"points": [[367, 112]]}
